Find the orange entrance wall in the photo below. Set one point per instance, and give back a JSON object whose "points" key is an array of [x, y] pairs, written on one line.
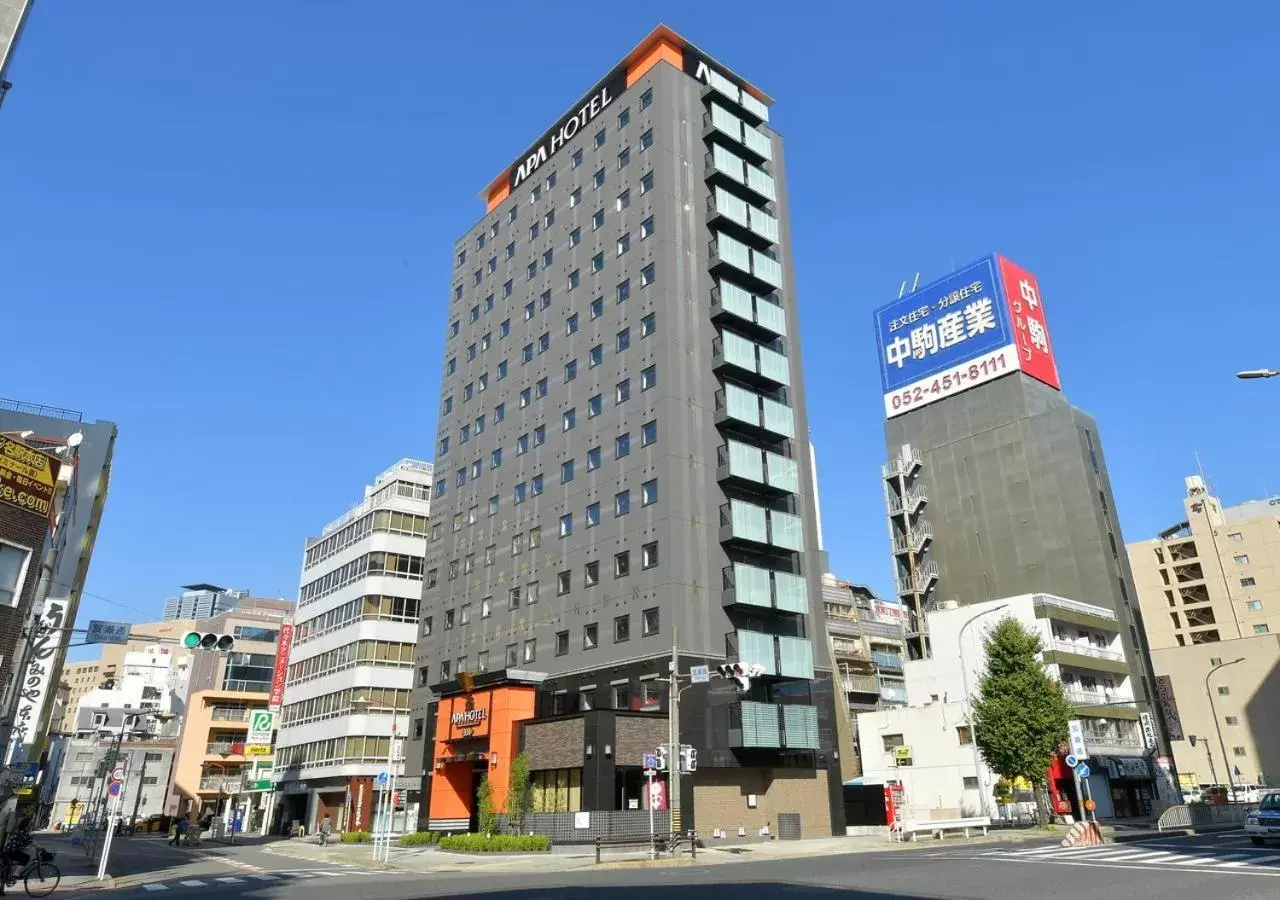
{"points": [[504, 708]]}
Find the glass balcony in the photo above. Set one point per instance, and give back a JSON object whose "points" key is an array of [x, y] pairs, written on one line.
{"points": [[762, 366], [755, 725], [753, 414], [782, 473], [726, 249], [773, 366], [761, 182], [724, 164], [762, 317], [786, 531], [741, 461], [757, 142], [801, 727], [754, 467], [724, 121], [795, 657], [748, 585], [753, 107], [766, 268], [757, 648], [741, 521], [763, 224], [724, 205], [726, 211]]}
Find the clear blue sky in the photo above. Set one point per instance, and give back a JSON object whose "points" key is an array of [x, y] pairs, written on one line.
{"points": [[229, 227]]}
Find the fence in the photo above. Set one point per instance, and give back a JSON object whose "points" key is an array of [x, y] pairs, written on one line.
{"points": [[1205, 815], [601, 824]]}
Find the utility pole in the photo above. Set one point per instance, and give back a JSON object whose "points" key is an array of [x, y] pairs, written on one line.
{"points": [[673, 732]]}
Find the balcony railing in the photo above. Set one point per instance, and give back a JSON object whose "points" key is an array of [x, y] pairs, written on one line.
{"points": [[754, 312], [230, 714], [737, 405], [903, 464], [925, 573], [1073, 606], [743, 521], [232, 783], [921, 534], [1096, 698], [753, 586], [862, 684], [886, 660], [222, 748], [757, 468], [1087, 650]]}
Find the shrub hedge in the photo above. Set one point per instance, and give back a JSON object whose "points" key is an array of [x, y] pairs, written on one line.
{"points": [[420, 838], [355, 837], [497, 843]]}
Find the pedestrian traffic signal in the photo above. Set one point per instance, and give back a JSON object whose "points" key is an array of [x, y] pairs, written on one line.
{"points": [[688, 759], [740, 674], [207, 640]]}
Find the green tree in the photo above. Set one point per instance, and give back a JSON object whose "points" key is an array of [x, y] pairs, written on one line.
{"points": [[1020, 716], [519, 793], [488, 815]]}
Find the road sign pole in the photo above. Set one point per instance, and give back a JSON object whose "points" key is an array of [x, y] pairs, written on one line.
{"points": [[118, 787], [653, 844]]}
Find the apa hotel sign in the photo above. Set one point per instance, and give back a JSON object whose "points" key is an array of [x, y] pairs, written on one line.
{"points": [[564, 131], [468, 718]]}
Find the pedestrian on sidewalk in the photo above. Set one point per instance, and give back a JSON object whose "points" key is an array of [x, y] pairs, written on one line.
{"points": [[325, 828], [177, 833]]}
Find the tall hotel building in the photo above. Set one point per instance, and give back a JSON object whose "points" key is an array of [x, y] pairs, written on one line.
{"points": [[622, 464], [350, 656]]}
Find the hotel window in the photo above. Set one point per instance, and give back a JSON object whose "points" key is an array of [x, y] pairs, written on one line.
{"points": [[535, 536], [621, 629], [517, 544], [562, 643], [649, 622], [574, 278], [1242, 559], [539, 435], [493, 511], [648, 325], [646, 228], [475, 279], [471, 352], [570, 370], [548, 257], [566, 525], [590, 636], [444, 670], [548, 220], [622, 503], [593, 459], [621, 393], [462, 256], [486, 607], [513, 598], [566, 471], [648, 275], [563, 583], [591, 574], [535, 488], [464, 614], [1253, 605], [624, 243], [1231, 720], [526, 397], [624, 117], [540, 389], [593, 515], [520, 492], [448, 619], [649, 493], [504, 329], [624, 290], [492, 265], [485, 341], [448, 405], [624, 200], [1261, 629], [648, 433], [594, 406], [530, 650], [623, 339], [648, 378], [531, 593], [522, 444], [510, 253], [624, 158], [502, 370], [597, 307], [493, 229], [508, 287], [622, 564], [597, 219], [544, 300], [537, 193], [595, 356], [576, 159], [544, 342], [649, 555], [529, 310], [600, 138], [1248, 582], [622, 446], [646, 99], [575, 237], [454, 327], [451, 366], [499, 412], [511, 214], [598, 180], [646, 182], [532, 270], [513, 655], [482, 665]]}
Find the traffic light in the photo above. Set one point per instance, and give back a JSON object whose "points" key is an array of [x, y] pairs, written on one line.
{"points": [[688, 759], [662, 758], [740, 674], [208, 640]]}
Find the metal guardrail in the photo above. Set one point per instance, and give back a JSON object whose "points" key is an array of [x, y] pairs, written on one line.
{"points": [[658, 844], [39, 409], [1204, 815]]}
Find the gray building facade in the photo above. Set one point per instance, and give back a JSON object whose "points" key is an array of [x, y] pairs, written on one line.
{"points": [[623, 438]]}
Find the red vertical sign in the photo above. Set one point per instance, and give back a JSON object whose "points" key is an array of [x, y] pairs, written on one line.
{"points": [[283, 645], [1026, 311]]}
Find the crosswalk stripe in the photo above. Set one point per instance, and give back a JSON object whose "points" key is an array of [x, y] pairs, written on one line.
{"points": [[1151, 857], [155, 887], [230, 879], [1230, 856], [265, 877], [193, 882], [1265, 859], [305, 875], [1112, 855]]}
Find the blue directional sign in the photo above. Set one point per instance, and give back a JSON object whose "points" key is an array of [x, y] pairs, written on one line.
{"points": [[383, 778], [651, 760], [1083, 770]]}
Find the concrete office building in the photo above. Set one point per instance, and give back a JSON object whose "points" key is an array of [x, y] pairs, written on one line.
{"points": [[202, 601], [621, 449], [350, 669], [1209, 587], [996, 486]]}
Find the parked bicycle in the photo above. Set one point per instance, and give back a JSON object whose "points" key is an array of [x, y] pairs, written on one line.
{"points": [[39, 875]]}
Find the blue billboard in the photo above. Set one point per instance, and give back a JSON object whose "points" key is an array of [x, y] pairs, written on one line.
{"points": [[940, 326]]}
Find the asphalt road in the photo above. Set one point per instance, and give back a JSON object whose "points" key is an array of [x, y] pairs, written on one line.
{"points": [[1191, 868]]}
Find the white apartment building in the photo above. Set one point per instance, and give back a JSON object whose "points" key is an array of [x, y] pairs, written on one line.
{"points": [[351, 664], [1082, 651]]}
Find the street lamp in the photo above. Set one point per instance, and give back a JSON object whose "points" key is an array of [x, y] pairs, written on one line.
{"points": [[1218, 725], [1258, 373], [964, 677]]}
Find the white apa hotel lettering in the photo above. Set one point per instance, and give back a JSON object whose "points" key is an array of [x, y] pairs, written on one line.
{"points": [[468, 717], [564, 133]]}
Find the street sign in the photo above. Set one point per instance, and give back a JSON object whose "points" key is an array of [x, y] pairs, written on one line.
{"points": [[383, 778], [115, 788], [100, 632], [1076, 732], [262, 723], [1083, 770], [117, 774], [257, 750], [650, 761], [699, 674]]}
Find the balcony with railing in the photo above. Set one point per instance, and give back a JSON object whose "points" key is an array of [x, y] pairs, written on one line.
{"points": [[730, 213], [760, 316], [1098, 700], [718, 88], [746, 585], [1055, 608], [231, 714], [719, 123], [743, 522], [777, 654], [726, 168], [761, 470], [907, 503], [893, 693], [921, 534], [925, 574], [884, 660], [754, 414], [762, 271], [754, 363], [860, 684], [903, 464], [755, 725], [1086, 656]]}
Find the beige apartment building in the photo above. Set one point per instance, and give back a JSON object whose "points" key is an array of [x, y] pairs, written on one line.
{"points": [[1209, 588]]}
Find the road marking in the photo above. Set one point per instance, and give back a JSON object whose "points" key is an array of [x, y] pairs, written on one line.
{"points": [[264, 877], [155, 887], [1113, 855], [192, 883], [1266, 859], [304, 875], [229, 879]]}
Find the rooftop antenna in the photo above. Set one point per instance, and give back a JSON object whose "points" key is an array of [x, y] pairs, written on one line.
{"points": [[915, 284], [902, 289]]}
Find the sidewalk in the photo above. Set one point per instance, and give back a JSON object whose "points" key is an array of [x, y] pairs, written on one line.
{"points": [[569, 857], [79, 869]]}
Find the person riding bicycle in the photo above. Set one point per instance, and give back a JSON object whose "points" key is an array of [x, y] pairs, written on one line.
{"points": [[325, 828], [13, 850]]}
